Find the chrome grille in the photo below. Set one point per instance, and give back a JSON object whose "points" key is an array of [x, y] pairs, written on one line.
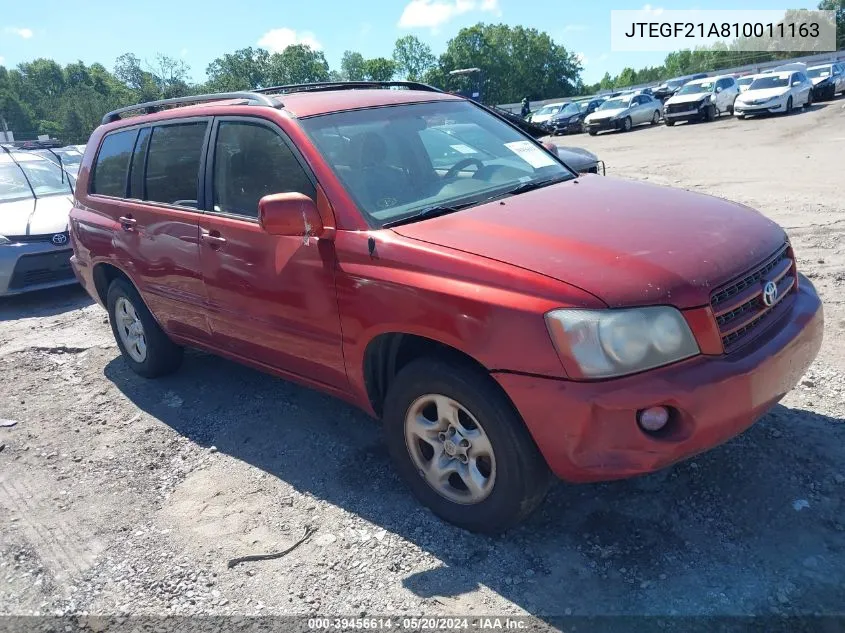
{"points": [[739, 308]]}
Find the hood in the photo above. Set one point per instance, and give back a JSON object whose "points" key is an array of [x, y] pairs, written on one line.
{"points": [[565, 117], [768, 93], [692, 98], [541, 118], [817, 80], [627, 243], [577, 157], [41, 216], [598, 115]]}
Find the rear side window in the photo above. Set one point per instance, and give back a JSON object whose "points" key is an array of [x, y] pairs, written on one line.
{"points": [[250, 162], [136, 174], [173, 163], [113, 163]]}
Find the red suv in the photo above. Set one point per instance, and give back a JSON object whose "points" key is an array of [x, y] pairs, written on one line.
{"points": [[415, 254]]}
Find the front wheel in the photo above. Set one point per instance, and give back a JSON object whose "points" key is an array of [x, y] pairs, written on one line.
{"points": [[656, 118], [145, 347], [592, 132], [789, 105], [809, 101], [670, 122], [461, 447], [626, 124]]}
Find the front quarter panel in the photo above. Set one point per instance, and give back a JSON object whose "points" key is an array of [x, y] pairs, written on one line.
{"points": [[489, 310]]}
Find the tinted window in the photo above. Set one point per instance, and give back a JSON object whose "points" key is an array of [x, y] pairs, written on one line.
{"points": [[801, 76], [136, 174], [173, 163], [250, 162], [112, 164]]}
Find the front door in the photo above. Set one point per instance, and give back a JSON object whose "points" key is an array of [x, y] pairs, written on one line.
{"points": [[271, 298]]}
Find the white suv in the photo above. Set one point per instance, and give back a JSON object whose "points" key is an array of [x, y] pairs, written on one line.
{"points": [[702, 100]]}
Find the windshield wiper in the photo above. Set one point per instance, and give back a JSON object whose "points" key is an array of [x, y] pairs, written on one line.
{"points": [[428, 212], [534, 184]]}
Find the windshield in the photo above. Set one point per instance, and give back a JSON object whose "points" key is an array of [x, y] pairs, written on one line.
{"points": [[44, 177], [71, 159], [13, 185], [814, 73], [569, 109], [745, 81], [615, 104], [397, 161], [549, 109], [696, 88], [770, 81]]}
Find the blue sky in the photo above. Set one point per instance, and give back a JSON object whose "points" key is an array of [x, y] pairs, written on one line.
{"points": [[199, 31]]}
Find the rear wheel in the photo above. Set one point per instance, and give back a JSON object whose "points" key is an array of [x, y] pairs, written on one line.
{"points": [[461, 447], [145, 347]]}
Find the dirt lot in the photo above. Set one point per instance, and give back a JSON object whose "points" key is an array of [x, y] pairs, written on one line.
{"points": [[120, 495]]}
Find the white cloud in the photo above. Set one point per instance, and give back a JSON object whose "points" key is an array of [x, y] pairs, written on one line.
{"points": [[420, 14], [582, 59], [24, 33], [653, 10], [574, 28], [277, 40]]}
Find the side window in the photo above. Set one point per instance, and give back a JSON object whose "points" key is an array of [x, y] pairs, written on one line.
{"points": [[250, 162], [109, 173], [136, 170], [173, 163]]}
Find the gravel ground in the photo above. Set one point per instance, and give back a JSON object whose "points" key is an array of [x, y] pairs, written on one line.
{"points": [[126, 496]]}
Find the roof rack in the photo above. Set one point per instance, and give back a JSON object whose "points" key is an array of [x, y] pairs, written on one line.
{"points": [[321, 86], [253, 98]]}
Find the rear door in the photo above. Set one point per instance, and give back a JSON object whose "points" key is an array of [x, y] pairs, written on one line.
{"points": [[271, 298], [151, 175]]}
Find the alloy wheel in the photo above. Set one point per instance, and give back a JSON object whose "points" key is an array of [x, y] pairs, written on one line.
{"points": [[131, 330], [450, 449]]}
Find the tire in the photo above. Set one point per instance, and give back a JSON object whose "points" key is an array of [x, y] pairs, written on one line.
{"points": [[656, 118], [627, 124], [669, 122], [789, 106], [709, 113], [740, 117], [160, 355], [516, 471], [592, 132], [809, 100]]}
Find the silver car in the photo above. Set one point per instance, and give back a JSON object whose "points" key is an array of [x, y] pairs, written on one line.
{"points": [[35, 200], [623, 113]]}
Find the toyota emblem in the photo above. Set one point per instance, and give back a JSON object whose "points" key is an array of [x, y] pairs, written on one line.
{"points": [[59, 238], [770, 293]]}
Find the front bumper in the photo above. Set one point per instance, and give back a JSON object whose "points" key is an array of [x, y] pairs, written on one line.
{"points": [[693, 113], [767, 108], [604, 124], [30, 266], [567, 127], [588, 431]]}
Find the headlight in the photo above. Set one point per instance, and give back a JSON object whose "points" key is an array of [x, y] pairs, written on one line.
{"points": [[610, 343], [4, 240]]}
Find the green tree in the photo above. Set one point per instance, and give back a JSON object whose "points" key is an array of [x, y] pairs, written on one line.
{"points": [[413, 58], [352, 66], [839, 7], [245, 69], [297, 64], [379, 69]]}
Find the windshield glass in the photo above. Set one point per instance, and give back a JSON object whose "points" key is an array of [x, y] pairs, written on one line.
{"points": [[824, 71], [614, 104], [549, 109], [71, 159], [770, 81], [745, 81], [696, 88], [45, 177], [569, 109], [13, 185], [399, 160]]}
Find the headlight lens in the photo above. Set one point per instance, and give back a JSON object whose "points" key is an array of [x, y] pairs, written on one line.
{"points": [[610, 343]]}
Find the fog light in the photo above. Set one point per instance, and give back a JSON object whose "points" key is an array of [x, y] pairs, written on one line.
{"points": [[653, 419]]}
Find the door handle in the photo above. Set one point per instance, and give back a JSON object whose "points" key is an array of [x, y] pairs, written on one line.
{"points": [[127, 222], [213, 238]]}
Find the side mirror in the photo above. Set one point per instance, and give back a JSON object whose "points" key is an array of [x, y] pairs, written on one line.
{"points": [[551, 147], [719, 89], [292, 214], [796, 83]]}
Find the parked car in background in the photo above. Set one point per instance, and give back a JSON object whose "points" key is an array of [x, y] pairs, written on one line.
{"points": [[828, 79], [701, 100], [577, 158], [68, 158], [35, 200], [623, 113], [791, 66], [571, 118], [774, 93], [546, 112], [671, 86], [745, 81], [311, 235]]}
